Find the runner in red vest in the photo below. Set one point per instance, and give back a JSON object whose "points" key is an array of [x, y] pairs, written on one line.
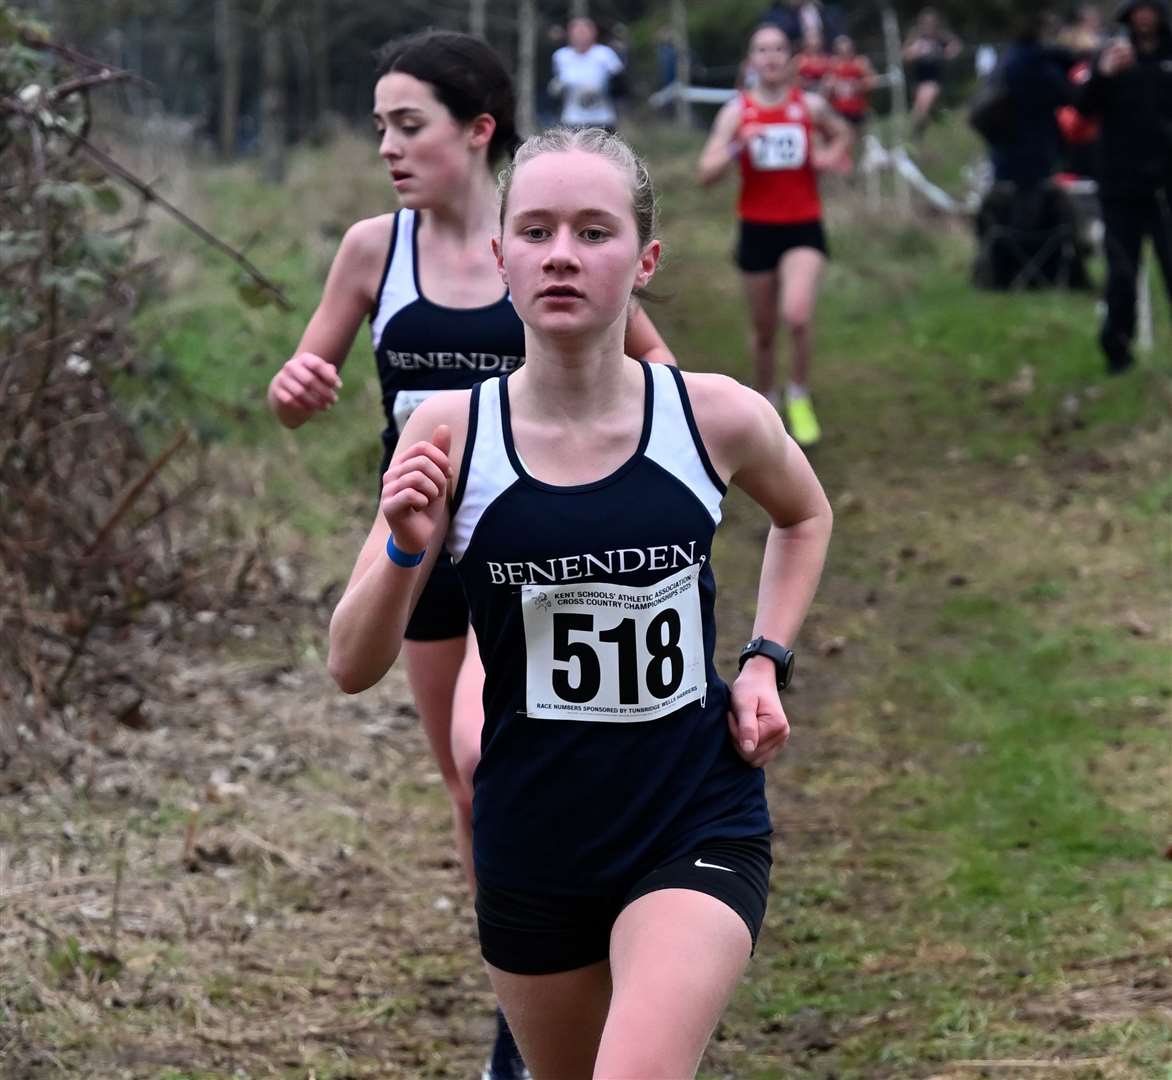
{"points": [[850, 79], [813, 63], [782, 137]]}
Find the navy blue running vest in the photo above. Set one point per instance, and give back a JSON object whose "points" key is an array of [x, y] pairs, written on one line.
{"points": [[421, 347], [605, 747]]}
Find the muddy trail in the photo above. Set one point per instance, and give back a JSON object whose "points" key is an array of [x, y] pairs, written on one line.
{"points": [[257, 879]]}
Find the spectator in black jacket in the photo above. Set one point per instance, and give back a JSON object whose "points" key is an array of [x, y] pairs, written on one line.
{"points": [[1130, 89], [1035, 79]]}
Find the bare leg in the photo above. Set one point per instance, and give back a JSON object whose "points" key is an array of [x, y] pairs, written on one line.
{"points": [[557, 1020], [922, 105], [675, 956], [764, 317], [432, 670], [801, 269]]}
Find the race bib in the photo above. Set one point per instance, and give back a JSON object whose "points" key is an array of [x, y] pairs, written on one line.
{"points": [[406, 402], [613, 652], [778, 146]]}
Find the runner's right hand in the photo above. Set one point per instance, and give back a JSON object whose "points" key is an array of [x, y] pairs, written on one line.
{"points": [[415, 486], [307, 382]]}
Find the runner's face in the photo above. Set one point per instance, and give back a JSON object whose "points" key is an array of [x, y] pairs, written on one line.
{"points": [[428, 153], [769, 55], [583, 34], [569, 251]]}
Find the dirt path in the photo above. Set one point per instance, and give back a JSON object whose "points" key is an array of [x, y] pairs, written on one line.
{"points": [[262, 883]]}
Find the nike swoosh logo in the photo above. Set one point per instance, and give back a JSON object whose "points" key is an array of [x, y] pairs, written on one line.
{"points": [[713, 866]]}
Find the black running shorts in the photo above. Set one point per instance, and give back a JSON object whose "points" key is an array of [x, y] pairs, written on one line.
{"points": [[442, 609], [538, 934], [760, 246]]}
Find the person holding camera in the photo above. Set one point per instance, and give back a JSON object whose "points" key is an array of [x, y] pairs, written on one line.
{"points": [[1130, 91]]}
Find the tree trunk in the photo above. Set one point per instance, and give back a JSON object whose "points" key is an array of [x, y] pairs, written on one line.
{"points": [[580, 9], [526, 67], [892, 43], [319, 47], [478, 18], [228, 55], [679, 32], [272, 99]]}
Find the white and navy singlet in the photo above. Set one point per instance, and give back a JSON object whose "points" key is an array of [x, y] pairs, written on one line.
{"points": [[421, 347], [605, 745]]}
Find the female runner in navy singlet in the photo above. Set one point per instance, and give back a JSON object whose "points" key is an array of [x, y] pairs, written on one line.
{"points": [[440, 319], [621, 836]]}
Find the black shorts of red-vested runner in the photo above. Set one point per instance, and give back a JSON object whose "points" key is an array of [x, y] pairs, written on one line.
{"points": [[760, 246]]}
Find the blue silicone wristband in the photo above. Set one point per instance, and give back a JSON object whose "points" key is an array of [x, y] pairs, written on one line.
{"points": [[403, 558]]}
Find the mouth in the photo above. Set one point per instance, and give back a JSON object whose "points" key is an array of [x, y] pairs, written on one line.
{"points": [[397, 176], [561, 292]]}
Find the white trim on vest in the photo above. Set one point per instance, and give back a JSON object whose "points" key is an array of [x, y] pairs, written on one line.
{"points": [[490, 472], [399, 288], [672, 445]]}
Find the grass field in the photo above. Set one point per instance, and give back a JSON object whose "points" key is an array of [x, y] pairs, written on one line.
{"points": [[972, 873]]}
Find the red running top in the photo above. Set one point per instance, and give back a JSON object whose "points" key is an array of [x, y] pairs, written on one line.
{"points": [[778, 183]]}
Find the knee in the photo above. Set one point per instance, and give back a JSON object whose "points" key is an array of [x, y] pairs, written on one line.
{"points": [[642, 1060], [797, 317]]}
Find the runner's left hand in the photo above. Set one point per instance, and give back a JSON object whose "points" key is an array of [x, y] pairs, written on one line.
{"points": [[757, 721]]}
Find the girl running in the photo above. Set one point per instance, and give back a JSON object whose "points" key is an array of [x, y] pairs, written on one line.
{"points": [[621, 836], [440, 319], [781, 137], [929, 47]]}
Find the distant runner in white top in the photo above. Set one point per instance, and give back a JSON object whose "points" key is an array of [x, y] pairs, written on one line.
{"points": [[582, 72]]}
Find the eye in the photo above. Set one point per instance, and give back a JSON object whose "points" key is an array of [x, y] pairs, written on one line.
{"points": [[535, 232], [594, 234]]}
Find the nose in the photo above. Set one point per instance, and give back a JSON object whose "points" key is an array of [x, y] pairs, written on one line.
{"points": [[390, 146], [561, 254]]}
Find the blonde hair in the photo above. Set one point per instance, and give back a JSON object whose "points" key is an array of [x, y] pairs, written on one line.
{"points": [[560, 140]]}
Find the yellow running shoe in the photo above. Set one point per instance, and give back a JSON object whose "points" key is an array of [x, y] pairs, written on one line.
{"points": [[801, 421]]}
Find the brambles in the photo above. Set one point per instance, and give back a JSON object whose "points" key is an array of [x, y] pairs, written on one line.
{"points": [[100, 538]]}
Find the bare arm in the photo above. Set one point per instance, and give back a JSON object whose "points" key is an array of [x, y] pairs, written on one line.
{"points": [[723, 147], [643, 341], [871, 78], [748, 443], [837, 132], [308, 382], [366, 629]]}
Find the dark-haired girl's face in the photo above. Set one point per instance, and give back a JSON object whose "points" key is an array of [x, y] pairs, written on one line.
{"points": [[429, 154], [769, 54]]}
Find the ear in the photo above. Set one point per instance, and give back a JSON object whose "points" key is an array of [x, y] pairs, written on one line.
{"points": [[648, 261], [481, 130], [499, 254]]}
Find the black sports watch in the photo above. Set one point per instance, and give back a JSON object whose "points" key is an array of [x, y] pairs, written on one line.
{"points": [[783, 658]]}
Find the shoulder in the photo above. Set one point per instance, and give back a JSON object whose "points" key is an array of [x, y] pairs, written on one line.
{"points": [[445, 407], [607, 55], [449, 408], [367, 241], [731, 418], [816, 104], [730, 112]]}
